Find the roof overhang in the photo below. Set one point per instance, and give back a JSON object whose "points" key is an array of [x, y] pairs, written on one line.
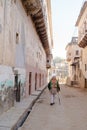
{"points": [[81, 12], [34, 9], [83, 41]]}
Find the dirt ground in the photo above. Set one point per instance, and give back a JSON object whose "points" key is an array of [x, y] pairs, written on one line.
{"points": [[71, 114]]}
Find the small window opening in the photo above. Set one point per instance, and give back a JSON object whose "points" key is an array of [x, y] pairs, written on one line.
{"points": [[17, 38]]}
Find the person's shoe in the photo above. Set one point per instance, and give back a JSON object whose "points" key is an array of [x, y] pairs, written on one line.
{"points": [[51, 103]]}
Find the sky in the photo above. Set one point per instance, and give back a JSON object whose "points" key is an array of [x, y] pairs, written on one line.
{"points": [[64, 17]]}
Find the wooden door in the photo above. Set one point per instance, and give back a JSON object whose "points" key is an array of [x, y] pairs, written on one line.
{"points": [[30, 76], [36, 81], [17, 88]]}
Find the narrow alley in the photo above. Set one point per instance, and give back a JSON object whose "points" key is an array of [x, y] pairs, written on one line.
{"points": [[71, 114], [34, 46]]}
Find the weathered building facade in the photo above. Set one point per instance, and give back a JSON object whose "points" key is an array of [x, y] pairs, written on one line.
{"points": [[73, 53], [82, 42], [25, 48]]}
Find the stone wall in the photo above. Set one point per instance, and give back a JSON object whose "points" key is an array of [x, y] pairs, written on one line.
{"points": [[21, 50]]}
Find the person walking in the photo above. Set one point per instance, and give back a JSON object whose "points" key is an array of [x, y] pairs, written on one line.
{"points": [[54, 88]]}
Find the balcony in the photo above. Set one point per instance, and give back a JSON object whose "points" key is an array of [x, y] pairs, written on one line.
{"points": [[77, 54], [82, 42], [48, 63]]}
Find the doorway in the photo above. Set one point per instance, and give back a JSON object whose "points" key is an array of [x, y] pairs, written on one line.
{"points": [[17, 88], [85, 83], [30, 77], [36, 81], [40, 80]]}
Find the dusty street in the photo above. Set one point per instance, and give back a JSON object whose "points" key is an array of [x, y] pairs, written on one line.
{"points": [[71, 114]]}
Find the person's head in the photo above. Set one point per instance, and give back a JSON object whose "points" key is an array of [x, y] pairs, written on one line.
{"points": [[53, 77]]}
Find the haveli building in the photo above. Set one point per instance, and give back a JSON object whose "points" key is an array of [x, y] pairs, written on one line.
{"points": [[73, 54], [25, 48], [81, 23]]}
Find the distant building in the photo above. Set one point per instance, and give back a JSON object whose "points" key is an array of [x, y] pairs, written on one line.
{"points": [[25, 48], [60, 69], [73, 54], [82, 42]]}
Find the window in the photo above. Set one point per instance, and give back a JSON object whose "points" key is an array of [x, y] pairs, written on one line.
{"points": [[69, 54], [78, 65], [47, 61], [85, 67], [77, 52]]}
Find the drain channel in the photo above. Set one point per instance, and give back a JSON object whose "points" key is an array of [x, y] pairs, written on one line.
{"points": [[21, 121]]}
